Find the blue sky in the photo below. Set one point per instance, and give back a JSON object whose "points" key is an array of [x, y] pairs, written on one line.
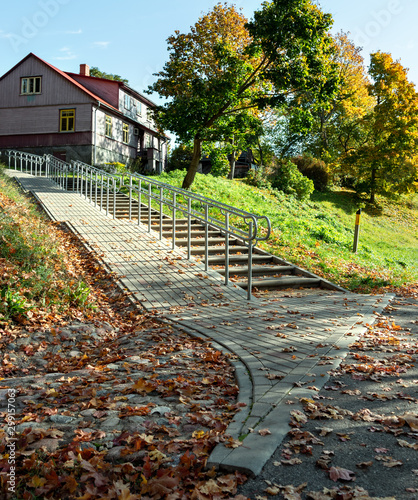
{"points": [[129, 38]]}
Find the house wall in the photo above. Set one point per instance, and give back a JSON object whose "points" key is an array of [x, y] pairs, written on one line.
{"points": [[43, 120], [55, 88], [110, 149]]}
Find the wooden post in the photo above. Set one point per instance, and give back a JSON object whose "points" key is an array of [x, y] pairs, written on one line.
{"points": [[357, 230]]}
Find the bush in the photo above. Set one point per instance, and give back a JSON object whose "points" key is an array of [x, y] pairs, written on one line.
{"points": [[291, 181], [258, 178], [180, 158], [313, 169]]}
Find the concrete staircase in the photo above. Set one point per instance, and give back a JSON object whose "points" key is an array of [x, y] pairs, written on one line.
{"points": [[269, 272]]}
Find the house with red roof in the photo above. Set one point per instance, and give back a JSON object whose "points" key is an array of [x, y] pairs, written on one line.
{"points": [[44, 110]]}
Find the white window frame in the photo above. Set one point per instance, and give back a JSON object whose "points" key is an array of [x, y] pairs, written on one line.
{"points": [[29, 84]]}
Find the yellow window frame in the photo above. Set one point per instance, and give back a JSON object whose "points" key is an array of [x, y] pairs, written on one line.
{"points": [[67, 120], [108, 126], [125, 131]]}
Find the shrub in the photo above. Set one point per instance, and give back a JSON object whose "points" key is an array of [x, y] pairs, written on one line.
{"points": [[291, 181], [258, 178], [313, 169], [180, 158]]}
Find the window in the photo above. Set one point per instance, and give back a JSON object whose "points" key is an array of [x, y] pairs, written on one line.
{"points": [[139, 108], [127, 101], [67, 120], [30, 85], [108, 127], [125, 133]]}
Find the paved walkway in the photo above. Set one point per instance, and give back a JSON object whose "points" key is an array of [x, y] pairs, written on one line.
{"points": [[282, 347]]}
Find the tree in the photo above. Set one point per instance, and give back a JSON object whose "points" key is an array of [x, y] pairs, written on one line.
{"points": [[224, 67], [339, 126], [180, 157], [94, 71], [386, 162]]}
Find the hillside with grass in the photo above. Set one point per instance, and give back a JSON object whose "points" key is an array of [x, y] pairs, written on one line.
{"points": [[318, 234]]}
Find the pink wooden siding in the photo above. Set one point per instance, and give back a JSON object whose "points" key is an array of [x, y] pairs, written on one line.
{"points": [[42, 119], [55, 88], [35, 140]]}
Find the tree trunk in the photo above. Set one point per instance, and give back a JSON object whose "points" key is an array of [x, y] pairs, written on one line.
{"points": [[232, 165], [194, 164]]}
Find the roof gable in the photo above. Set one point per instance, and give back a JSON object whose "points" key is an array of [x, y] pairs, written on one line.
{"points": [[63, 75]]}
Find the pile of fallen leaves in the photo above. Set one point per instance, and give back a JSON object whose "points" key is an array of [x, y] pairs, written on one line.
{"points": [[187, 388]]}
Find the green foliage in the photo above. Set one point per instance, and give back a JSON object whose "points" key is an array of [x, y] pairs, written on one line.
{"points": [[114, 167], [317, 234], [12, 304], [258, 178], [95, 71], [33, 268], [218, 159], [180, 157], [313, 169], [225, 67], [289, 180], [387, 162]]}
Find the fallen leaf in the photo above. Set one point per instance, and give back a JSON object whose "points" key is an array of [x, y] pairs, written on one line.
{"points": [[336, 473]]}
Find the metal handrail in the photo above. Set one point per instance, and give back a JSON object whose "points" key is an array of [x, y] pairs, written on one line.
{"points": [[91, 182]]}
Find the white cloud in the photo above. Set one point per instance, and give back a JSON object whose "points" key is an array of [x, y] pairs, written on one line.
{"points": [[101, 45], [67, 54], [73, 32]]}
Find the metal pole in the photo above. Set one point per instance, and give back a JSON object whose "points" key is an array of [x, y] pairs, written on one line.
{"points": [[206, 237], [173, 242], [139, 200], [189, 228], [114, 197], [149, 208], [226, 248], [250, 260], [161, 213], [130, 197], [356, 231]]}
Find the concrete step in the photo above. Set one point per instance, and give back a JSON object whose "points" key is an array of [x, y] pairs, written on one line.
{"points": [[199, 241], [240, 258], [220, 250], [258, 270], [292, 282]]}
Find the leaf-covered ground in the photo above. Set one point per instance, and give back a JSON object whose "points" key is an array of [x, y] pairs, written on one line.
{"points": [[358, 437], [99, 400]]}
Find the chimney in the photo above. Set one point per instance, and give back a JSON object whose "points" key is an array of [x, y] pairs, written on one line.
{"points": [[84, 69]]}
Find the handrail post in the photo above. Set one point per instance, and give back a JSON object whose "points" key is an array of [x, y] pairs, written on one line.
{"points": [[130, 197], [107, 196], [91, 186], [139, 200], [189, 228], [161, 212], [250, 260], [114, 197], [95, 189], [173, 242], [226, 248], [101, 192], [206, 237], [149, 208]]}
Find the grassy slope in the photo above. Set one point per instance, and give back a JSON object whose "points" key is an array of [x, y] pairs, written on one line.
{"points": [[318, 234]]}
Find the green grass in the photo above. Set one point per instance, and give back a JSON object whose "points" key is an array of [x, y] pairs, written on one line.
{"points": [[318, 234], [36, 276]]}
